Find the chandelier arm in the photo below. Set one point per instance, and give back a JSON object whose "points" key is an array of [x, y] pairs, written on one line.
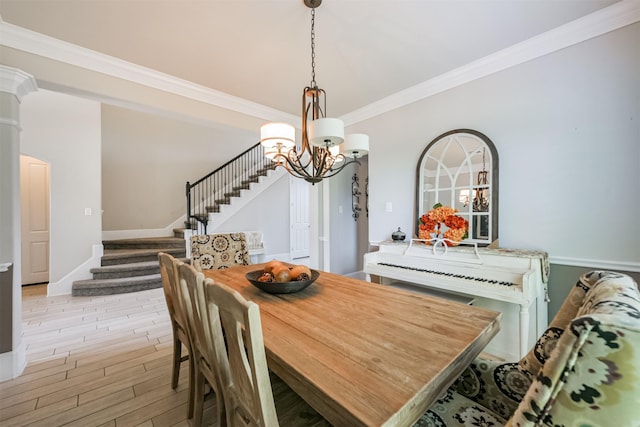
{"points": [[305, 125], [292, 168], [293, 164], [338, 170], [320, 158], [296, 159]]}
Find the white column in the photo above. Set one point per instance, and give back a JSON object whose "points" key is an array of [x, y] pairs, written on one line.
{"points": [[14, 85]]}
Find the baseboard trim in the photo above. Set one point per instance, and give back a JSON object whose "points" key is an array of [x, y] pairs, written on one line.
{"points": [[144, 233], [12, 363], [81, 272]]}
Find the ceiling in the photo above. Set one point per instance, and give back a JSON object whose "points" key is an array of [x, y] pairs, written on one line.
{"points": [[260, 50]]}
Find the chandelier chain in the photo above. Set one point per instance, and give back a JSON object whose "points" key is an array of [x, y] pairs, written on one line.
{"points": [[313, 48]]}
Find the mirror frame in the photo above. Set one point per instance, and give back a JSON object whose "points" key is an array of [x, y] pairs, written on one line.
{"points": [[493, 181]]}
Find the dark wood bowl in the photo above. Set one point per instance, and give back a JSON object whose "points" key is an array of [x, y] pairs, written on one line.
{"points": [[280, 287]]}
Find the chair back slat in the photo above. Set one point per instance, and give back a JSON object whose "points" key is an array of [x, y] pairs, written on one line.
{"points": [[169, 275], [200, 325], [249, 397], [175, 306]]}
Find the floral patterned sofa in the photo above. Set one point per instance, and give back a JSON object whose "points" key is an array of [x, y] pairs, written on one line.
{"points": [[218, 251], [584, 371]]}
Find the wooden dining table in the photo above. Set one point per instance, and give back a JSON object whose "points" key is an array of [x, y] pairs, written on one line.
{"points": [[364, 354]]}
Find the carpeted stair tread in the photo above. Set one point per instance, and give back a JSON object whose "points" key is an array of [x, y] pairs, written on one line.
{"points": [[141, 243], [116, 286], [129, 256], [126, 270], [130, 265]]}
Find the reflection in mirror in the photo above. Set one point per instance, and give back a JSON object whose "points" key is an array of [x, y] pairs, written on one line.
{"points": [[460, 169]]}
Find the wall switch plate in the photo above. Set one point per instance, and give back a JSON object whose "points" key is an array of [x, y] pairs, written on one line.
{"points": [[87, 211], [389, 207]]}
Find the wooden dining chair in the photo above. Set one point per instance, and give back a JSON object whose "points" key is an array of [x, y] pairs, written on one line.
{"points": [[218, 251], [172, 295], [253, 396], [192, 283]]}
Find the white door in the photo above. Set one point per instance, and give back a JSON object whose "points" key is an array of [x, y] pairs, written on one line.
{"points": [[299, 214], [34, 194]]}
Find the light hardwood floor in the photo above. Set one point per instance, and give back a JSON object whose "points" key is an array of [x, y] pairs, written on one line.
{"points": [[96, 361]]}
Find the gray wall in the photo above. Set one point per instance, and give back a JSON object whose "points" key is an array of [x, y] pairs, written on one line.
{"points": [[349, 238], [567, 130], [563, 277], [147, 159]]}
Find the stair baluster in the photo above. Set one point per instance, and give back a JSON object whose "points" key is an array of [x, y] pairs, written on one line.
{"points": [[216, 188]]}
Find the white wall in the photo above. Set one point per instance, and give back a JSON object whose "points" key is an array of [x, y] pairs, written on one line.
{"points": [[268, 213], [147, 160], [567, 130], [65, 132]]}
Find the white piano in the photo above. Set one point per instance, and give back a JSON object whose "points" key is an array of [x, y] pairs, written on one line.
{"points": [[511, 281]]}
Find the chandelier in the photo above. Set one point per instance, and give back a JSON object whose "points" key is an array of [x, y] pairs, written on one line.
{"points": [[322, 153]]}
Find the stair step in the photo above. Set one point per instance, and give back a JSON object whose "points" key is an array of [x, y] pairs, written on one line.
{"points": [[224, 201], [232, 194], [129, 256], [116, 286], [150, 242], [132, 269], [179, 232], [242, 187]]}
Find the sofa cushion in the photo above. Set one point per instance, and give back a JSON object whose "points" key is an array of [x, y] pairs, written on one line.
{"points": [[456, 410], [592, 378], [537, 356]]}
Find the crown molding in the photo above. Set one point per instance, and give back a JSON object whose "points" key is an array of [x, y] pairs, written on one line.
{"points": [[16, 82], [48, 47], [611, 18], [608, 19]]}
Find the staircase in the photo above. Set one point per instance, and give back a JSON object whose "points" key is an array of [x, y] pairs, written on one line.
{"points": [[129, 265], [211, 193]]}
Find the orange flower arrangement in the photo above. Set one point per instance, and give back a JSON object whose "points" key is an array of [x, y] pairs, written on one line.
{"points": [[441, 222]]}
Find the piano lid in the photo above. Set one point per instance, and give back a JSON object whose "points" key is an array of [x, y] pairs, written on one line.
{"points": [[468, 254]]}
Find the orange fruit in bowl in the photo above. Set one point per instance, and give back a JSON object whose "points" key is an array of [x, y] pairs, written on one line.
{"points": [[300, 272], [282, 274], [272, 265]]}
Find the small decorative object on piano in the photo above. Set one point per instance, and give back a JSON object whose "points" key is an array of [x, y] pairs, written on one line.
{"points": [[442, 225], [398, 236]]}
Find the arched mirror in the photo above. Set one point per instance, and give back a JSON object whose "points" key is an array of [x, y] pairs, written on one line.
{"points": [[460, 169]]}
